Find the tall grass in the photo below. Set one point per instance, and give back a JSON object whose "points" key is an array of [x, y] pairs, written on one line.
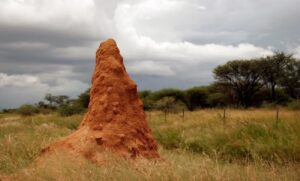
{"points": [[246, 135], [251, 145], [180, 165], [21, 138]]}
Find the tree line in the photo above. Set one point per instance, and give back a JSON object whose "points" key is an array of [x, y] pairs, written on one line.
{"points": [[265, 81], [274, 79]]}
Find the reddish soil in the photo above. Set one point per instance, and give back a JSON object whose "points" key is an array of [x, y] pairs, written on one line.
{"points": [[115, 120]]}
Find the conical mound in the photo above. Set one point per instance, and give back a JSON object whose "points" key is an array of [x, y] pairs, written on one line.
{"points": [[115, 120]]}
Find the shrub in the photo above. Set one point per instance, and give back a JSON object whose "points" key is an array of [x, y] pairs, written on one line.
{"points": [[269, 105], [145, 96], [148, 104], [169, 139], [27, 110], [45, 110], [216, 99], [197, 147], [196, 97], [69, 110], [169, 104], [294, 105], [9, 110], [177, 94], [281, 97], [84, 99]]}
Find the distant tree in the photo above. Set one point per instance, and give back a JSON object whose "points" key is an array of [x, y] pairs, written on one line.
{"points": [[177, 94], [9, 110], [84, 99], [62, 100], [70, 109], [27, 110], [220, 95], [290, 80], [243, 77], [196, 97], [54, 102], [145, 96], [169, 104], [50, 99], [41, 104], [273, 68]]}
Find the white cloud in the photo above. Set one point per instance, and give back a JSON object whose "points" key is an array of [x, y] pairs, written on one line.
{"points": [[175, 40], [18, 80], [297, 52], [201, 7], [21, 89], [170, 58], [43, 11], [150, 68]]}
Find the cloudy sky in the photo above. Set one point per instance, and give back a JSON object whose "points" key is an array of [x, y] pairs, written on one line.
{"points": [[49, 46]]}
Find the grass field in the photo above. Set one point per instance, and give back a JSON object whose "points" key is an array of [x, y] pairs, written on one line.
{"points": [[202, 145]]}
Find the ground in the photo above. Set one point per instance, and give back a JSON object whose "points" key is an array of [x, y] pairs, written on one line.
{"points": [[246, 145]]}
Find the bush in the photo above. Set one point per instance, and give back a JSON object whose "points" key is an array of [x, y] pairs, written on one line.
{"points": [[196, 97], [294, 105], [84, 99], [145, 96], [9, 110], [169, 104], [169, 139], [177, 94], [197, 147], [69, 110], [281, 97], [27, 110], [45, 110], [269, 105]]}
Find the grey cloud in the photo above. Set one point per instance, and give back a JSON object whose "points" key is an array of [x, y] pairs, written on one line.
{"points": [[32, 34], [170, 43]]}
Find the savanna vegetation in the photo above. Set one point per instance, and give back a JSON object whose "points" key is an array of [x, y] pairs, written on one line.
{"points": [[247, 145], [244, 126], [262, 82]]}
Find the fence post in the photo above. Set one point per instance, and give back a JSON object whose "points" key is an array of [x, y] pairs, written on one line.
{"points": [[183, 114], [165, 115], [224, 116], [277, 116]]}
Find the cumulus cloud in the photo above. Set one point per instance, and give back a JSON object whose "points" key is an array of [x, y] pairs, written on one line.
{"points": [[24, 88], [171, 58], [297, 52], [17, 80], [150, 68], [49, 46]]}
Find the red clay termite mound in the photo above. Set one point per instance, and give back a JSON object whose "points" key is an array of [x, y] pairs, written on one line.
{"points": [[115, 120]]}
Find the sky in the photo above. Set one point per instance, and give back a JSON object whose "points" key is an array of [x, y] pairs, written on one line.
{"points": [[49, 46]]}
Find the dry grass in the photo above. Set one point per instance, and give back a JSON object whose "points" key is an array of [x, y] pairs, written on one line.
{"points": [[249, 146], [179, 166]]}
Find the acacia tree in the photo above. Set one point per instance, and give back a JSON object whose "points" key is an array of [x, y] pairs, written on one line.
{"points": [[50, 99], [243, 77], [84, 99], [56, 101], [291, 79], [196, 97], [273, 70]]}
